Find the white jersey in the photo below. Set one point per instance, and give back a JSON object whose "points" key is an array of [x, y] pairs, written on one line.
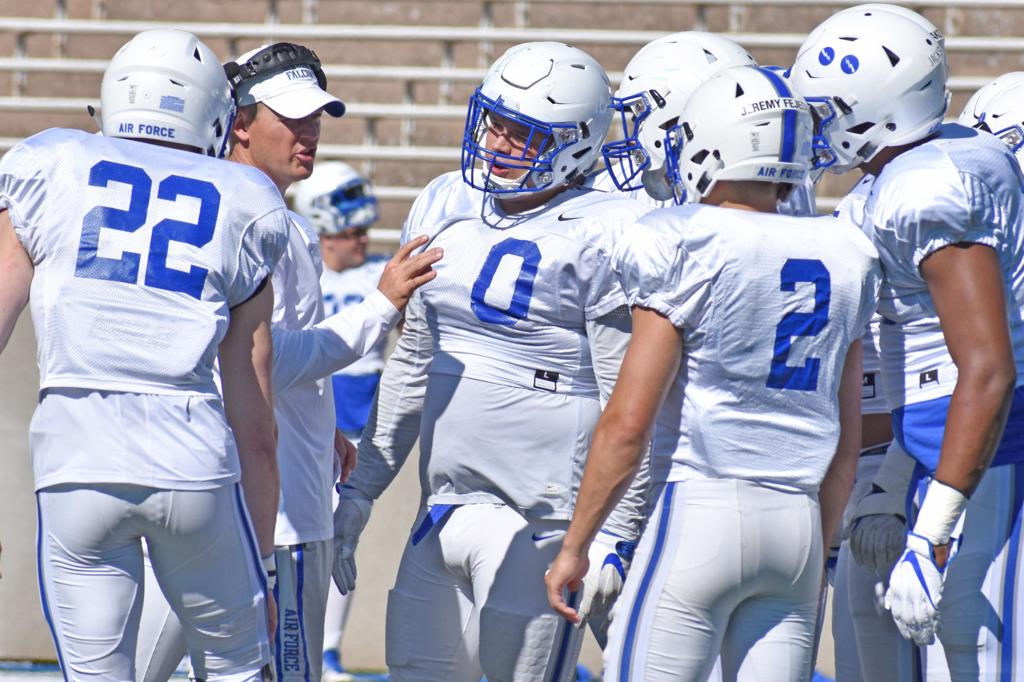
{"points": [[511, 365], [961, 186], [769, 306], [304, 409], [139, 252], [872, 397], [350, 287]]}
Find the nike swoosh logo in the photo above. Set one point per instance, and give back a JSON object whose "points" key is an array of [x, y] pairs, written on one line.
{"points": [[562, 217], [540, 537]]}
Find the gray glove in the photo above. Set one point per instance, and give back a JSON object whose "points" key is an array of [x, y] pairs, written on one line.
{"points": [[350, 517]]}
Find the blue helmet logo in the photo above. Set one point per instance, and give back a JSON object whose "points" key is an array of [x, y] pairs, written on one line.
{"points": [[850, 64], [826, 56]]}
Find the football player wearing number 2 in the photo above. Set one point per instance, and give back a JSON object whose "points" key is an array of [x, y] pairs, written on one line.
{"points": [[745, 359], [146, 262], [501, 371]]}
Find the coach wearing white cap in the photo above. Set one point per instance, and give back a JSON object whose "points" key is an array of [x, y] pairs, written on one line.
{"points": [[280, 93]]}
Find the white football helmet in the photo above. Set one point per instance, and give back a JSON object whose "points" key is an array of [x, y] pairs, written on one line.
{"points": [[998, 108], [166, 85], [334, 198], [741, 124], [656, 85], [875, 76], [557, 96]]}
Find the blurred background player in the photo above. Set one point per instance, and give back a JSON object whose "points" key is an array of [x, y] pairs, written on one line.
{"points": [[340, 205], [148, 262], [280, 92], [751, 428], [944, 212], [500, 370]]}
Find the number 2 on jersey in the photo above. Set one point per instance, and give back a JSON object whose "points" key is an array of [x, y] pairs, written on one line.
{"points": [[803, 377], [519, 306], [126, 268]]}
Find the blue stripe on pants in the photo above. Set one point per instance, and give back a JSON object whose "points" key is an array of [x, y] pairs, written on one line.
{"points": [[42, 587], [645, 583]]}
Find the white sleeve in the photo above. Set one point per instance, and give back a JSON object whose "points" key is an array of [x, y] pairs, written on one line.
{"points": [[608, 337], [394, 422], [302, 355]]}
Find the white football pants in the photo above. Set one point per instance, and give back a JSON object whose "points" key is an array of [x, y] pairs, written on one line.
{"points": [[205, 559], [470, 599], [724, 566]]}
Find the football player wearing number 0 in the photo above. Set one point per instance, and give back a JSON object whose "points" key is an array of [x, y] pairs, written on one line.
{"points": [[147, 262], [501, 371], [745, 360], [945, 214]]}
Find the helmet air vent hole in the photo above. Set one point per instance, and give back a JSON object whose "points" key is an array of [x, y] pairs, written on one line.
{"points": [[890, 126], [580, 154], [924, 87], [849, 39], [739, 90], [178, 83], [893, 57], [581, 67], [860, 128], [584, 130], [718, 157], [846, 145], [710, 57], [699, 157], [550, 99], [198, 57]]}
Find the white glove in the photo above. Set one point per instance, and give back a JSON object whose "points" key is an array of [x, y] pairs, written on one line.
{"points": [[915, 590], [350, 517], [877, 541], [610, 555]]}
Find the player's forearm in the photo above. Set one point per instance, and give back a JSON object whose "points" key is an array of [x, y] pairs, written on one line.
{"points": [[974, 423], [261, 485], [302, 355], [394, 422], [245, 363], [609, 337], [838, 482], [615, 457]]}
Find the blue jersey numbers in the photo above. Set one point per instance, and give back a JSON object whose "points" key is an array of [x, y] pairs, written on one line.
{"points": [[528, 256], [802, 377], [126, 268]]}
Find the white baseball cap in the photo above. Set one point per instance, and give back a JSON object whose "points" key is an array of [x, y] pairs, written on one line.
{"points": [[284, 76]]}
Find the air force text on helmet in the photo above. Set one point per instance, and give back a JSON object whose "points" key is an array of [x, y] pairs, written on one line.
{"points": [[775, 103], [782, 174], [146, 129]]}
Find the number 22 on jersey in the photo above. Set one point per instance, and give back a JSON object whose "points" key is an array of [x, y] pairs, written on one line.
{"points": [[126, 268]]}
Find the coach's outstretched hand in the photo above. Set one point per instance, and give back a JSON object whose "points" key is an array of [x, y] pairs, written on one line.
{"points": [[405, 273]]}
